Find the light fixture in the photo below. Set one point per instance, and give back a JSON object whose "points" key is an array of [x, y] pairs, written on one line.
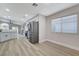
{"points": [[35, 4], [8, 10], [26, 15]]}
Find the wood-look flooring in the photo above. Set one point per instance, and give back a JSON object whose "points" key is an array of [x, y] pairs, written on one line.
{"points": [[22, 47]]}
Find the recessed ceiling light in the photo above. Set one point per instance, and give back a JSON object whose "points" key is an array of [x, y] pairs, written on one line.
{"points": [[7, 10], [26, 15]]}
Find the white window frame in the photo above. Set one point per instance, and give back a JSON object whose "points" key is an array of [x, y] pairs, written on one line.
{"points": [[62, 22]]}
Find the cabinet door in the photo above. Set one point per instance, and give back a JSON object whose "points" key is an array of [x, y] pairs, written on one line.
{"points": [[6, 36]]}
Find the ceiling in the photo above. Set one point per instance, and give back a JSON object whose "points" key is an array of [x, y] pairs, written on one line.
{"points": [[17, 11]]}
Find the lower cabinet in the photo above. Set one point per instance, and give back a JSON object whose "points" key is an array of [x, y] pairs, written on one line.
{"points": [[4, 36]]}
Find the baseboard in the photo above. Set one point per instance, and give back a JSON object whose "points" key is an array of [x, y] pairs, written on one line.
{"points": [[42, 40], [66, 45]]}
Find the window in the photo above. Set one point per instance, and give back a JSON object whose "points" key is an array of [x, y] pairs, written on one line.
{"points": [[56, 25], [15, 28], [65, 24]]}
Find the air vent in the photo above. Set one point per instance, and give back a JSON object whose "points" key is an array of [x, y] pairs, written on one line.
{"points": [[35, 4]]}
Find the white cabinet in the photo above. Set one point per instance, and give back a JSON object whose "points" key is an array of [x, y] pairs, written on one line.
{"points": [[7, 36], [4, 36]]}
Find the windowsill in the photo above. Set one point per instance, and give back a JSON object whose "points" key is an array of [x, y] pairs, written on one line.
{"points": [[66, 33]]}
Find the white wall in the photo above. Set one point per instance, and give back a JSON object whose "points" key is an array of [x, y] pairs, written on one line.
{"points": [[42, 27], [68, 40]]}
